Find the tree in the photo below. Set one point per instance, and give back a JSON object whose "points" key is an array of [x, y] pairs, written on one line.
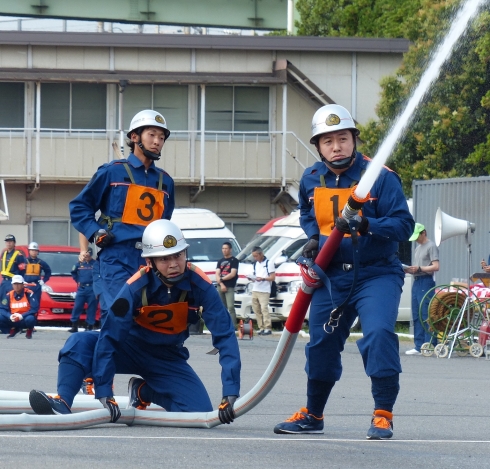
{"points": [[449, 136], [363, 18]]}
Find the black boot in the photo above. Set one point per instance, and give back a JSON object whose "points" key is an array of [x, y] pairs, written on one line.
{"points": [[74, 327], [90, 327]]}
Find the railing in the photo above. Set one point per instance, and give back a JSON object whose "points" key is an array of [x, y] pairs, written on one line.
{"points": [[210, 157]]}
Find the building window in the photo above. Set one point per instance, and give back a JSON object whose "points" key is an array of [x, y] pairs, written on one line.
{"points": [[236, 108], [169, 100], [73, 106], [12, 105], [59, 232]]}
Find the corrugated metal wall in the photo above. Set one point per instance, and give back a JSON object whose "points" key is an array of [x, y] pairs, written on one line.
{"points": [[464, 198]]}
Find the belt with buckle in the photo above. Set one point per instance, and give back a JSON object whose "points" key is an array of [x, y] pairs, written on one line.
{"points": [[86, 284]]}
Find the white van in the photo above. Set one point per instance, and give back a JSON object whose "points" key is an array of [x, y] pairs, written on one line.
{"points": [[278, 244], [205, 233], [288, 279]]}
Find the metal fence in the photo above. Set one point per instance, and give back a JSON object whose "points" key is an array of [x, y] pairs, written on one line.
{"points": [[464, 198]]}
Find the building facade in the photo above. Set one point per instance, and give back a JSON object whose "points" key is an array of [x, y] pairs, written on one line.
{"points": [[239, 109]]}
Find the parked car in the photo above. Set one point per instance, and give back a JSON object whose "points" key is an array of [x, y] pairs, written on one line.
{"points": [[278, 243], [58, 296]]}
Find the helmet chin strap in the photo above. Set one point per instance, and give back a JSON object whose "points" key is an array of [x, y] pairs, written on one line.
{"points": [[148, 153], [166, 280]]}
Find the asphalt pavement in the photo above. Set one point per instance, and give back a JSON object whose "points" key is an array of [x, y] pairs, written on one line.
{"points": [[441, 416]]}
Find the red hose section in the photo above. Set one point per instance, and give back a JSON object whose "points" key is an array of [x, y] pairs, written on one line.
{"points": [[302, 300]]}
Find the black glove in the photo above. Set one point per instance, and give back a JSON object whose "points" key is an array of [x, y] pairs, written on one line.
{"points": [[343, 225], [103, 238], [225, 410], [310, 249], [111, 405]]}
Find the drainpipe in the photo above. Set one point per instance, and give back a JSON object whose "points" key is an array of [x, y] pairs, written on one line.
{"points": [[203, 128]]}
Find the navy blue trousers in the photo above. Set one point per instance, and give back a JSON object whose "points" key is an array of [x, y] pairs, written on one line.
{"points": [[421, 285], [174, 384]]}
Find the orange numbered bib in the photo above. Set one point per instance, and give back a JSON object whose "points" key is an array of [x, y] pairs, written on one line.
{"points": [[143, 205], [33, 269], [328, 203], [168, 319]]}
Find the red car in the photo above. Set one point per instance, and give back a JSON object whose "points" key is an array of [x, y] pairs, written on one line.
{"points": [[58, 296]]}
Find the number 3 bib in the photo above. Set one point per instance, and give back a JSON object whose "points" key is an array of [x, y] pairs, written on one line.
{"points": [[143, 205]]}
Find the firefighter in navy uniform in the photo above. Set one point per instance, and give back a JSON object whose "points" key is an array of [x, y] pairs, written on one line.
{"points": [[144, 334], [383, 222], [13, 263], [18, 309], [130, 194], [83, 274], [34, 267]]}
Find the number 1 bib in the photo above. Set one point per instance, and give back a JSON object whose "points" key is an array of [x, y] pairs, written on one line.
{"points": [[328, 203]]}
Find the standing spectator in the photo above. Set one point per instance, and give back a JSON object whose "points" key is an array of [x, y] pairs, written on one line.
{"points": [[130, 194], [82, 273], [383, 222], [263, 276], [426, 264], [13, 263], [18, 309], [226, 278], [34, 267]]}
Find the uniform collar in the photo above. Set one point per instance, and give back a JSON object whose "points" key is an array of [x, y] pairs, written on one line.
{"points": [[354, 172], [135, 162], [184, 284]]}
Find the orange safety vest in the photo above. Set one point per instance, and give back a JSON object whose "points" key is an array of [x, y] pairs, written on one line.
{"points": [[33, 268], [6, 267], [19, 306]]}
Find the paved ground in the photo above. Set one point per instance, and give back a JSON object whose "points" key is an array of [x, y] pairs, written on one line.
{"points": [[441, 418]]}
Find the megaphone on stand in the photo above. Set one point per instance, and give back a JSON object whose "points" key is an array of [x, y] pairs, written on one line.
{"points": [[447, 226]]}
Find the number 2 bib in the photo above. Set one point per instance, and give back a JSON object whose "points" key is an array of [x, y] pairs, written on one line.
{"points": [[168, 319], [143, 205]]}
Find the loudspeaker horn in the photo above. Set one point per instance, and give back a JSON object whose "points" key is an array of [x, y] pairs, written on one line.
{"points": [[447, 226]]}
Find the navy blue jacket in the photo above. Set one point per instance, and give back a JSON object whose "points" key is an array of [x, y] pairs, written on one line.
{"points": [[200, 292], [82, 272]]}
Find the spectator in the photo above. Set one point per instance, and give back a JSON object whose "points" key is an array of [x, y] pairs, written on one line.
{"points": [[18, 309], [34, 267], [13, 263], [226, 278], [485, 266], [426, 264], [82, 273], [263, 276]]}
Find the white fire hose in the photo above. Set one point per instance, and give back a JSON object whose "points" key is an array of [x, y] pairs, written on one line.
{"points": [[88, 411]]}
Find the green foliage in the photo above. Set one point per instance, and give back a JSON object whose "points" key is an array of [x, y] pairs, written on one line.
{"points": [[364, 18], [449, 135]]}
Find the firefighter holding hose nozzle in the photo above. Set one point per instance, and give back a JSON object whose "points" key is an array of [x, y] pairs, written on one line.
{"points": [[364, 278]]}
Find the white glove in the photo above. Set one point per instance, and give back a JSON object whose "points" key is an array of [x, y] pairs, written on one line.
{"points": [[41, 282], [15, 317]]}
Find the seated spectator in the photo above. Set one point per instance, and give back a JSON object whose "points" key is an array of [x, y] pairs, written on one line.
{"points": [[18, 309]]}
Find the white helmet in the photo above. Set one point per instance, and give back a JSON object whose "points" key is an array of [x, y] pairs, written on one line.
{"points": [[162, 238], [34, 246], [148, 118], [17, 279], [330, 118]]}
